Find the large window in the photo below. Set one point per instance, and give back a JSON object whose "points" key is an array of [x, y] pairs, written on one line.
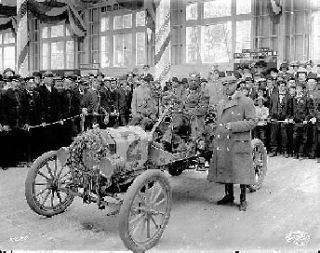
{"points": [[7, 51], [216, 42], [123, 39], [215, 29], [57, 48], [315, 37]]}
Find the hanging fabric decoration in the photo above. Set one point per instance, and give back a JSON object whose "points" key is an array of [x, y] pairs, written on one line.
{"points": [[275, 10], [22, 38]]}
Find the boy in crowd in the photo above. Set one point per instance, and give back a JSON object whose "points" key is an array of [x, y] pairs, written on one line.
{"points": [[300, 112], [262, 114], [279, 111]]}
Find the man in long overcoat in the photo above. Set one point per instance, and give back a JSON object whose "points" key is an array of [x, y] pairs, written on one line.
{"points": [[232, 155]]}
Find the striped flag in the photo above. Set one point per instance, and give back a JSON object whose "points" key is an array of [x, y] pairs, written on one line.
{"points": [[162, 42], [22, 66]]}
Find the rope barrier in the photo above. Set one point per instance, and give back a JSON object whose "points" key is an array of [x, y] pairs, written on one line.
{"points": [[60, 122]]}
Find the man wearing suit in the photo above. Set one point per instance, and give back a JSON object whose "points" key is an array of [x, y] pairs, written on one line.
{"points": [[279, 111], [91, 104], [125, 97]]}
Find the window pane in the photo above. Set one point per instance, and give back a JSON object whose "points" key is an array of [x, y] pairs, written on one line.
{"points": [[122, 53], [216, 43], [118, 22], [192, 44], [0, 38], [70, 54], [243, 35], [127, 21], [67, 31], [217, 8], [140, 18], [9, 56], [95, 28], [44, 32], [45, 56], [141, 48], [8, 38], [1, 66], [104, 25], [57, 55], [315, 4], [95, 43], [70, 47], [127, 49], [57, 31], [105, 52], [118, 50], [315, 36], [243, 6], [192, 11]]}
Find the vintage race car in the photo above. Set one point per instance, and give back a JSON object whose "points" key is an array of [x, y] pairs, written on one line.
{"points": [[123, 167]]}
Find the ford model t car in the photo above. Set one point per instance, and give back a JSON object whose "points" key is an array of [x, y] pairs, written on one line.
{"points": [[125, 167]]}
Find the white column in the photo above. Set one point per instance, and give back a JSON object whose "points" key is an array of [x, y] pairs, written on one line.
{"points": [[162, 42], [22, 62]]}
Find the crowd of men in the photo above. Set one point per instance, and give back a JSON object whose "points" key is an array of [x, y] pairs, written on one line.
{"points": [[44, 112], [287, 107]]}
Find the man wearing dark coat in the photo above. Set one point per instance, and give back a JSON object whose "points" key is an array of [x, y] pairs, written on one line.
{"points": [[33, 117], [12, 123], [71, 101], [232, 154], [125, 97], [113, 104], [50, 112], [90, 104]]}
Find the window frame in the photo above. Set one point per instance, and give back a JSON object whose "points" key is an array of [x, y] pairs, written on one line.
{"points": [[3, 46], [65, 38], [109, 33], [201, 21]]}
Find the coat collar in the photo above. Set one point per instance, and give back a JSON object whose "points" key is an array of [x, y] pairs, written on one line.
{"points": [[234, 101]]}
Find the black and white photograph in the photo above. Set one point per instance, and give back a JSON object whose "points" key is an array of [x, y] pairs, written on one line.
{"points": [[160, 126]]}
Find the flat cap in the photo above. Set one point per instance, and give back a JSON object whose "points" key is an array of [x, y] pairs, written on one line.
{"points": [[284, 65], [294, 64], [229, 79], [8, 70], [29, 78], [184, 80], [72, 77], [194, 74], [312, 76], [147, 78], [175, 79], [37, 74], [48, 74]]}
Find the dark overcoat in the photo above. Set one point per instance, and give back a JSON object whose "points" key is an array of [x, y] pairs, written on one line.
{"points": [[232, 154]]}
